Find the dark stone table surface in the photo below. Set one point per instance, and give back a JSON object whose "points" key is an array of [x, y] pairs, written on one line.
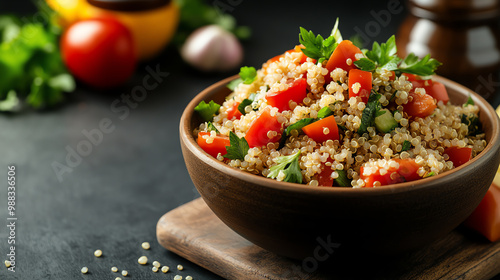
{"points": [[112, 197]]}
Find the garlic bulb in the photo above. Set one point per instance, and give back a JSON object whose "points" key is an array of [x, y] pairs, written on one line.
{"points": [[211, 48]]}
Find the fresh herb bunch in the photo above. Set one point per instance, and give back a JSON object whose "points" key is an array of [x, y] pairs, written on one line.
{"points": [[318, 48], [33, 73], [288, 165]]}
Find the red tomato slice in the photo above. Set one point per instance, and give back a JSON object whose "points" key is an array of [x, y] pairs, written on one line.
{"points": [[432, 88], [217, 146], [486, 218], [257, 132], [459, 155], [346, 49], [233, 112], [407, 171], [296, 92], [325, 176], [364, 78], [422, 105], [322, 130]]}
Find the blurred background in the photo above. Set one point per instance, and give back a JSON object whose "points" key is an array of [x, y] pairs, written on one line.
{"points": [[94, 136]]}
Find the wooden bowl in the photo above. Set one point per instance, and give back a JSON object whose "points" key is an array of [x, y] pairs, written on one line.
{"points": [[300, 221]]}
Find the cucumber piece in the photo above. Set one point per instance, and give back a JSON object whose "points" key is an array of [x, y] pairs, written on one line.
{"points": [[385, 122]]}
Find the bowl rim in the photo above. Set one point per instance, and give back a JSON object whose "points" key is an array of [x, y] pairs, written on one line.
{"points": [[189, 141]]}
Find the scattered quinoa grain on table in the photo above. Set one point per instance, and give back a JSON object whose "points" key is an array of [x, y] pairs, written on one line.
{"points": [[155, 269], [145, 245], [336, 119], [180, 267], [165, 269], [189, 278], [85, 270], [178, 277], [114, 269], [7, 263], [156, 264], [124, 273], [143, 260], [98, 253]]}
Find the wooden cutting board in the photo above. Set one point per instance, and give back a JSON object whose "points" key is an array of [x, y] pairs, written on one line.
{"points": [[195, 233]]}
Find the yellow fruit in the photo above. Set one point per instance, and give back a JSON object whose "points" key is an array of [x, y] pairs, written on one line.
{"points": [[152, 29]]}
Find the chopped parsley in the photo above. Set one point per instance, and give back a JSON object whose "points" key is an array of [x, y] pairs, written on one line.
{"points": [[247, 76], [207, 110], [473, 124], [324, 112], [288, 165], [469, 102], [315, 46], [238, 149], [245, 103], [211, 127], [371, 111], [342, 180], [406, 146], [383, 56]]}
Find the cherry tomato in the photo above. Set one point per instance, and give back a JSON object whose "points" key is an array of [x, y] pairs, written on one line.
{"points": [[322, 130], [459, 155], [257, 133], [296, 92], [218, 145], [364, 79], [99, 52]]}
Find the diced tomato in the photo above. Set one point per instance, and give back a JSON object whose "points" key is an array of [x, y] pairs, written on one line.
{"points": [[407, 171], [217, 146], [421, 105], [303, 57], [435, 89], [257, 132], [486, 218], [364, 78], [322, 130], [233, 112], [392, 77], [346, 49], [459, 155], [325, 176], [296, 92]]}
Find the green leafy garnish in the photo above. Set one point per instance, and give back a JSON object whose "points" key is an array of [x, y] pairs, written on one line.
{"points": [[370, 112], [245, 103], [234, 83], [469, 102], [383, 56], [429, 174], [207, 111], [406, 146], [315, 46], [342, 180], [248, 74], [211, 127], [421, 67], [324, 112], [298, 125], [31, 67], [290, 166], [238, 149], [473, 124]]}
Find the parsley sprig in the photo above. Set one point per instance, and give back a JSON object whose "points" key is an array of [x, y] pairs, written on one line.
{"points": [[290, 166], [238, 149], [383, 56], [318, 48], [371, 111], [207, 110], [247, 76]]}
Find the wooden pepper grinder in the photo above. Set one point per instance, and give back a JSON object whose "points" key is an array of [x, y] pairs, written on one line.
{"points": [[462, 34]]}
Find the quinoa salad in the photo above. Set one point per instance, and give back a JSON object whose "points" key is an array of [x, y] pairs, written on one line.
{"points": [[328, 113]]}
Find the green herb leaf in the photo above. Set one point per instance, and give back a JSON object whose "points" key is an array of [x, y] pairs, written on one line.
{"points": [[315, 46], [245, 103], [324, 112], [238, 149], [365, 64], [473, 124], [385, 54], [207, 111], [211, 127], [469, 102], [370, 112], [430, 174], [248, 74], [406, 146], [234, 83], [298, 125], [290, 166], [421, 67], [342, 180]]}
